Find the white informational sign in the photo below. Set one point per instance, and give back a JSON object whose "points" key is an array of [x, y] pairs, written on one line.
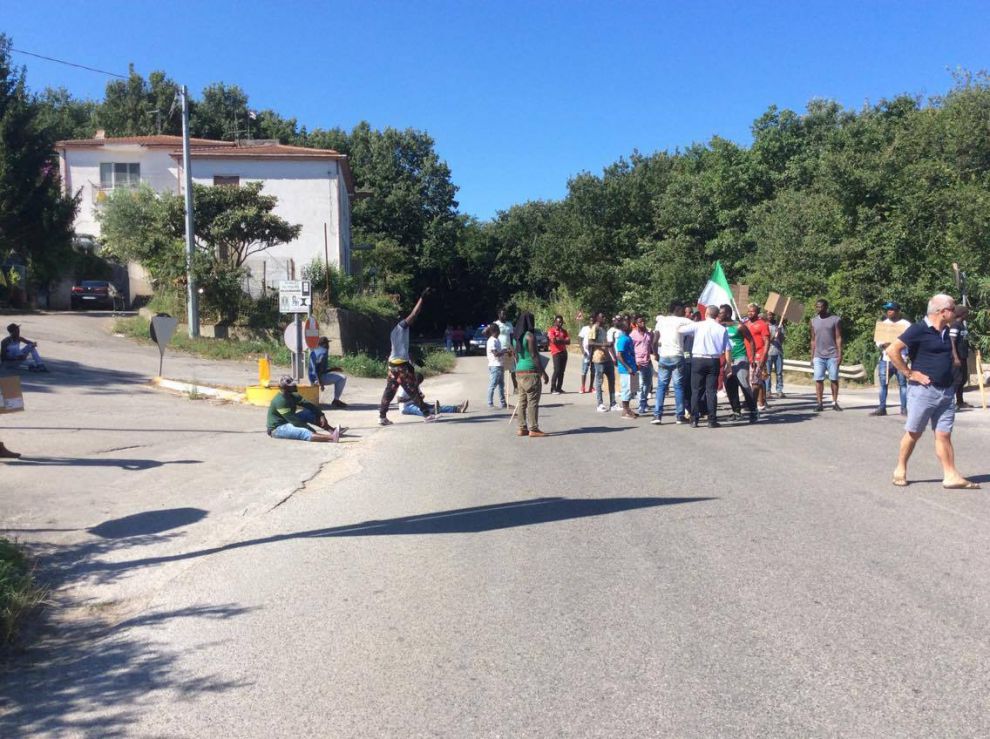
{"points": [[294, 296]]}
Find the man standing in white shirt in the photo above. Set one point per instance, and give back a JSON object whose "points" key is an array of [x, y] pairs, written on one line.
{"points": [[583, 335], [505, 330], [885, 368], [711, 343], [669, 341]]}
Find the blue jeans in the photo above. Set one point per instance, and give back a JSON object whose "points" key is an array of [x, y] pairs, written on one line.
{"points": [[337, 380], [886, 369], [645, 381], [496, 379], [605, 371], [297, 433], [775, 364], [409, 409], [667, 367]]}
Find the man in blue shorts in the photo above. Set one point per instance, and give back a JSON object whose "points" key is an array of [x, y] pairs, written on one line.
{"points": [[826, 352], [931, 396]]}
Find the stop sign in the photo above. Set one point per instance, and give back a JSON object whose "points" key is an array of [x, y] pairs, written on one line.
{"points": [[311, 332], [310, 337]]}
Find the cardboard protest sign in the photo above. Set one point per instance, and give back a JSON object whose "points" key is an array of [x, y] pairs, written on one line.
{"points": [[884, 333], [11, 398], [787, 309], [741, 295]]}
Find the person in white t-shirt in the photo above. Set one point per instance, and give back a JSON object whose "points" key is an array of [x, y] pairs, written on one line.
{"points": [[669, 332], [885, 367], [583, 335], [496, 367]]}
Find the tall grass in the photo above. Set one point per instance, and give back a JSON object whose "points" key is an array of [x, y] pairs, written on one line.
{"points": [[19, 595]]}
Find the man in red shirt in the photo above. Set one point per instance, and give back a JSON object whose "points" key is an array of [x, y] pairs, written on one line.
{"points": [[760, 332], [559, 339]]}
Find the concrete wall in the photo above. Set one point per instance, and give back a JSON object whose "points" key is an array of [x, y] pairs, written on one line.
{"points": [[351, 332], [310, 193]]}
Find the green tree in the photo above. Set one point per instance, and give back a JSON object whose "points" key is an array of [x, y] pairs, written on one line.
{"points": [[139, 107], [63, 116], [35, 216], [220, 113]]}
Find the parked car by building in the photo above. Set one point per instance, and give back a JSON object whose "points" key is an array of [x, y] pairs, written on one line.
{"points": [[96, 294]]}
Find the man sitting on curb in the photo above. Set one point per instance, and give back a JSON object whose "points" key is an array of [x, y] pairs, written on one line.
{"points": [[285, 423], [408, 408], [12, 351], [320, 373]]}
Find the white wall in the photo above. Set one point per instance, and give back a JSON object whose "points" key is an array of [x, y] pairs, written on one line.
{"points": [[158, 170], [307, 192]]}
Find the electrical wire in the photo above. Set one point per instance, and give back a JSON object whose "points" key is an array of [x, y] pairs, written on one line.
{"points": [[70, 64]]}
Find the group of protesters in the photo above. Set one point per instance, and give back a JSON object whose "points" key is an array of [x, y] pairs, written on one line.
{"points": [[698, 351]]}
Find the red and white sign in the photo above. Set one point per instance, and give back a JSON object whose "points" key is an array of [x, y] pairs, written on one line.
{"points": [[310, 337], [311, 332]]}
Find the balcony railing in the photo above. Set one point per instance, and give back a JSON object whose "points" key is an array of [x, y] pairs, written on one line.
{"points": [[100, 193]]}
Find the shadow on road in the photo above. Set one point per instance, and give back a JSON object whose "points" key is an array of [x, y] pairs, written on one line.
{"points": [[589, 430], [124, 464], [148, 522], [88, 679], [460, 521], [97, 380]]}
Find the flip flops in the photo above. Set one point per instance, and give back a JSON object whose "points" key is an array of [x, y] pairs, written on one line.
{"points": [[900, 482], [964, 485]]}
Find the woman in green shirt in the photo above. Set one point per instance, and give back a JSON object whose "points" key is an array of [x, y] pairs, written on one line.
{"points": [[738, 377], [529, 369]]}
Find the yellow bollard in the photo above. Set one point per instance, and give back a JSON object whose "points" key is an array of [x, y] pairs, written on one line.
{"points": [[264, 371]]}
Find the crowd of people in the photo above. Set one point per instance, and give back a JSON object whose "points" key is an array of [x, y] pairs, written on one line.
{"points": [[694, 354]]}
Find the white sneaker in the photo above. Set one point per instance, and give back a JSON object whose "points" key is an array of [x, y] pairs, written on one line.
{"points": [[430, 418], [335, 436], [615, 407], [384, 422], [603, 408]]}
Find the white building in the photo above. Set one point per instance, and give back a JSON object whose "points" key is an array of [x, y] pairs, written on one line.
{"points": [[314, 188]]}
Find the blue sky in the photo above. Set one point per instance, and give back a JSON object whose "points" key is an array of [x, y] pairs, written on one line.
{"points": [[518, 96]]}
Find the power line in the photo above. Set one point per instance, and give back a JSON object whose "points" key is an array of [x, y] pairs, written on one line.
{"points": [[70, 64]]}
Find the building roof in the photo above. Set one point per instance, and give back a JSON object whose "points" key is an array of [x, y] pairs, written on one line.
{"points": [[214, 149], [156, 141]]}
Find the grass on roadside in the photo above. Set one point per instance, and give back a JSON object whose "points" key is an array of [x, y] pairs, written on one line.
{"points": [[356, 365], [19, 595]]}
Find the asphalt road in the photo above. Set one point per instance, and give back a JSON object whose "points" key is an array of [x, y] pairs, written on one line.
{"points": [[613, 579]]}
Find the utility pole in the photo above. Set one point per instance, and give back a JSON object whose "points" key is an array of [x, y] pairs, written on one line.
{"points": [[192, 298]]}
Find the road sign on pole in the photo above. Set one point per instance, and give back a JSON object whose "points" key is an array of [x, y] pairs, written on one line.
{"points": [[312, 333], [294, 296]]}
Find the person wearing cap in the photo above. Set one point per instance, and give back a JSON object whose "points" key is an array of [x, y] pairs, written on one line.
{"points": [[884, 367], [320, 372], [285, 422], [11, 349]]}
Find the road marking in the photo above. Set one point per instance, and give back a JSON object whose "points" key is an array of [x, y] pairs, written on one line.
{"points": [[950, 510]]}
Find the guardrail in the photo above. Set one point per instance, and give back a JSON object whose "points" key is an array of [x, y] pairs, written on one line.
{"points": [[846, 371]]}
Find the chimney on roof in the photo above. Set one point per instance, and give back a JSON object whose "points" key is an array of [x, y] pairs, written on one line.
{"points": [[101, 133]]}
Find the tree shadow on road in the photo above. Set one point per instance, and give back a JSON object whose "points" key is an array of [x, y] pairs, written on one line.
{"points": [[86, 678], [459, 521], [98, 380]]}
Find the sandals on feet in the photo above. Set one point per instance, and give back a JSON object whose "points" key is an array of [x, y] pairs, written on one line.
{"points": [[899, 481], [964, 485]]}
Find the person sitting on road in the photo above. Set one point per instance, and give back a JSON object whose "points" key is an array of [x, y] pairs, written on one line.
{"points": [[285, 423], [408, 408], [11, 349], [320, 373]]}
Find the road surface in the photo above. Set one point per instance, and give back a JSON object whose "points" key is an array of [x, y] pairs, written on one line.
{"points": [[613, 579]]}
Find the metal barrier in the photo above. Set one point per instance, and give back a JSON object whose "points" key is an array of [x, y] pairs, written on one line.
{"points": [[846, 371]]}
